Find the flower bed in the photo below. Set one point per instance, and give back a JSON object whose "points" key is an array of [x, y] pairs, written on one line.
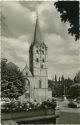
{"points": [[16, 106], [27, 111]]}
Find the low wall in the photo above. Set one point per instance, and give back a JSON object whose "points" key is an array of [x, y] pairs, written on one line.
{"points": [[39, 116], [27, 114]]}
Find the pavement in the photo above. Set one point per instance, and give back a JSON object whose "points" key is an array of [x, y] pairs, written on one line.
{"points": [[67, 115], [64, 107]]}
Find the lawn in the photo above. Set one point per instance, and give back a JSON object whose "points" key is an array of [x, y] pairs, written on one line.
{"points": [[68, 118], [68, 115]]}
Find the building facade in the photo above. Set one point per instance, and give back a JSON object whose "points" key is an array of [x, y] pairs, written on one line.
{"points": [[37, 74]]}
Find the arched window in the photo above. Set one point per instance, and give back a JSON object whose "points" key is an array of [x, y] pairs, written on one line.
{"points": [[41, 65], [43, 52], [37, 60], [43, 47], [37, 51], [40, 84], [26, 73], [43, 60]]}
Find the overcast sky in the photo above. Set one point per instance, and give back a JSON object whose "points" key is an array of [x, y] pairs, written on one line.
{"points": [[20, 17]]}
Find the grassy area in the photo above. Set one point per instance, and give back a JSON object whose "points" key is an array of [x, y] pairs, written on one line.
{"points": [[68, 118], [67, 115]]}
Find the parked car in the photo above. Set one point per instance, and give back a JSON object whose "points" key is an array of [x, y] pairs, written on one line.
{"points": [[78, 100], [73, 104]]}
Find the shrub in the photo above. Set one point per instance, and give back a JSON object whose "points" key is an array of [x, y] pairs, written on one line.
{"points": [[16, 106]]}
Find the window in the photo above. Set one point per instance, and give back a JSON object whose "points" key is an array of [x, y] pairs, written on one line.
{"points": [[37, 51], [37, 60], [42, 66], [27, 73], [40, 84], [42, 52], [43, 60]]}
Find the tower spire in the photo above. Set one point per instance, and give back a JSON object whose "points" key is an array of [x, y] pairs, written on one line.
{"points": [[36, 13], [37, 33]]}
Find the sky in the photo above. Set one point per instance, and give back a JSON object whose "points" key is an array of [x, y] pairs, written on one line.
{"points": [[17, 34]]}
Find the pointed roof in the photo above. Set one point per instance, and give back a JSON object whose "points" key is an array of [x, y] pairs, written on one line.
{"points": [[37, 33], [26, 71]]}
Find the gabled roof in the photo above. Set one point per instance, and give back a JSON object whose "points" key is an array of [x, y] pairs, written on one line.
{"points": [[26, 71]]}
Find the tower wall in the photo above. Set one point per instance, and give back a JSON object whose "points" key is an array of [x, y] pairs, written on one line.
{"points": [[38, 63]]}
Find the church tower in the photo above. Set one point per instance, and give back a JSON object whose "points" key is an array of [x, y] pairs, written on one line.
{"points": [[38, 64]]}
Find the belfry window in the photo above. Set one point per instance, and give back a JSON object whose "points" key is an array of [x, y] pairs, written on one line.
{"points": [[43, 60], [37, 60], [26, 73], [40, 84], [42, 66], [42, 52], [37, 51]]}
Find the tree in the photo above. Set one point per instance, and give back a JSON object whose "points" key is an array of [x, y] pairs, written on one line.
{"points": [[68, 83], [62, 78], [75, 91], [3, 25], [5, 30], [51, 86], [55, 78], [63, 86], [77, 78], [59, 79], [69, 11], [12, 80]]}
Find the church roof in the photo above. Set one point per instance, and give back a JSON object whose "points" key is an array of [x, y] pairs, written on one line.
{"points": [[26, 71], [37, 33]]}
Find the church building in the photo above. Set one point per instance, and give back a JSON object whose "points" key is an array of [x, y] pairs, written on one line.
{"points": [[36, 76]]}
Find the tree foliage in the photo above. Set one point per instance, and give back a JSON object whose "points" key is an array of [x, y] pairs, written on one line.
{"points": [[12, 80], [75, 91], [77, 78], [65, 86], [69, 12], [61, 86]]}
